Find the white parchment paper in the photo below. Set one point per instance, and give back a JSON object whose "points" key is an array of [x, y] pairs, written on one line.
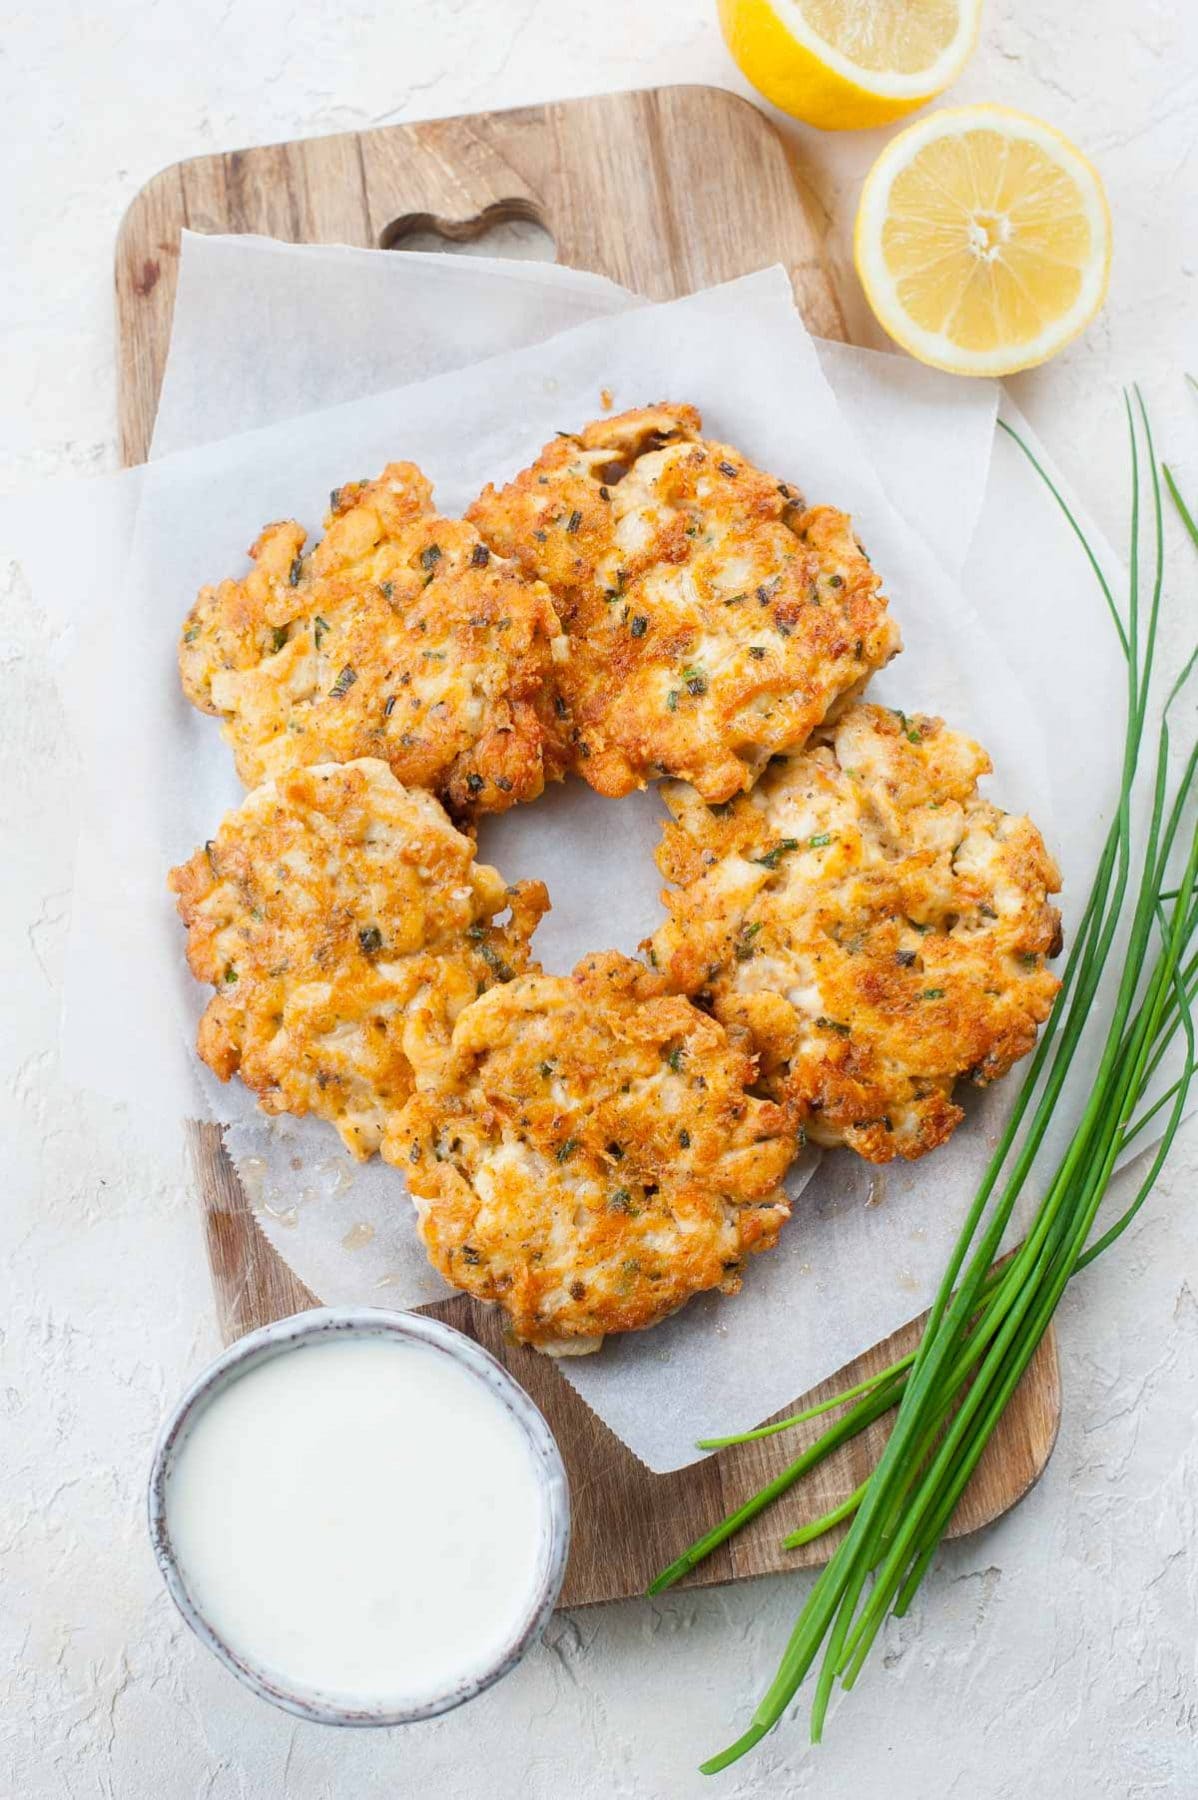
{"points": [[264, 331], [340, 1229], [809, 1306]]}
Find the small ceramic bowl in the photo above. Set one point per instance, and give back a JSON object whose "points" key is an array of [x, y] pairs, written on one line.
{"points": [[289, 1337]]}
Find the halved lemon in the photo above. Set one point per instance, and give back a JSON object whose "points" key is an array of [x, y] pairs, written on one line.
{"points": [[983, 240], [848, 64]]}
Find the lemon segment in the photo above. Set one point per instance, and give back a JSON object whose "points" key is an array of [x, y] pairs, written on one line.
{"points": [[983, 240], [848, 64]]}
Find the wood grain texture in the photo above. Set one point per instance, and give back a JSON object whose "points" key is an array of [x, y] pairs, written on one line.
{"points": [[667, 191]]}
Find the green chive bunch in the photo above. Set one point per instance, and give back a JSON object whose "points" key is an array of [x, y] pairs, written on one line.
{"points": [[1128, 986]]}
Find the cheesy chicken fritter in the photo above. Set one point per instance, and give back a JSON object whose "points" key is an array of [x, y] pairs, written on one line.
{"points": [[344, 924], [589, 1156], [400, 635], [879, 927], [714, 621]]}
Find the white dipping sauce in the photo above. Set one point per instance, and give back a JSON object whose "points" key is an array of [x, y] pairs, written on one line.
{"points": [[362, 1517]]}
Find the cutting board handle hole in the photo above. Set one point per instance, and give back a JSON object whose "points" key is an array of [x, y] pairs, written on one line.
{"points": [[511, 228]]}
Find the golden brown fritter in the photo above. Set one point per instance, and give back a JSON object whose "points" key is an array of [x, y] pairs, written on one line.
{"points": [[344, 924], [589, 1158], [879, 928], [400, 635], [713, 622]]}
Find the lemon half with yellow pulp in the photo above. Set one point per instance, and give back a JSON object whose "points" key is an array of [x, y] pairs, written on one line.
{"points": [[847, 64], [983, 240]]}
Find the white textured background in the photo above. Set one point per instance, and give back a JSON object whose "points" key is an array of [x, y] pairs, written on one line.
{"points": [[1054, 1654]]}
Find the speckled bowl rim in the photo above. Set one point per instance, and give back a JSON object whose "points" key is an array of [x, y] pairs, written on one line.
{"points": [[293, 1335]]}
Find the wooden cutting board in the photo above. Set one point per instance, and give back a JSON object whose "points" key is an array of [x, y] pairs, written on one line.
{"points": [[666, 191]]}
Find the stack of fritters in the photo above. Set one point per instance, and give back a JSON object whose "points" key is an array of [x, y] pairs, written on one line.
{"points": [[853, 928]]}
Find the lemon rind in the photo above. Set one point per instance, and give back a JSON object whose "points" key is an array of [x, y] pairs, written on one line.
{"points": [[923, 84]]}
